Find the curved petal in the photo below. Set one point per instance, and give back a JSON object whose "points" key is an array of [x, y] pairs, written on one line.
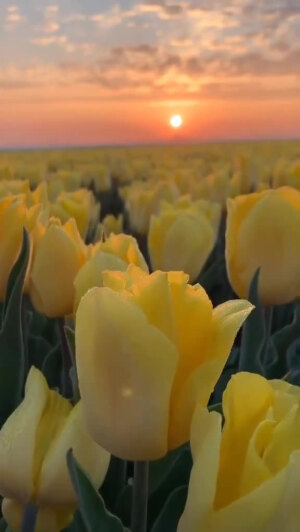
{"points": [[55, 486], [209, 357], [237, 210], [91, 273], [253, 512], [269, 239], [205, 444], [187, 244], [287, 515], [245, 403], [18, 440], [126, 369], [57, 260]]}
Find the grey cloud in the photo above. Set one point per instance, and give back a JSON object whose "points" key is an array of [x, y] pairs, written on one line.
{"points": [[255, 63]]}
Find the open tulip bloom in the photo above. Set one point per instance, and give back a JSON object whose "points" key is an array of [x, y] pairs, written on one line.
{"points": [[246, 478], [149, 348]]}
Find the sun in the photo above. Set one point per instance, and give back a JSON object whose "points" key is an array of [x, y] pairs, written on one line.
{"points": [[176, 121]]}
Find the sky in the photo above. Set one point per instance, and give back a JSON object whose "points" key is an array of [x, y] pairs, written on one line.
{"points": [[81, 72]]}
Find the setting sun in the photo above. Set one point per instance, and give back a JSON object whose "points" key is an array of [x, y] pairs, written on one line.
{"points": [[176, 121]]}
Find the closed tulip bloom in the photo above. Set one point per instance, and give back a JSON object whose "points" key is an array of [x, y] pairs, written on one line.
{"points": [[14, 216], [33, 445], [246, 478], [148, 349], [116, 253], [144, 200], [79, 205], [180, 240], [59, 253], [13, 187], [263, 231], [112, 224]]}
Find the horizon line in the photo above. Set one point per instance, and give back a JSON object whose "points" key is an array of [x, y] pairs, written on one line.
{"points": [[145, 144]]}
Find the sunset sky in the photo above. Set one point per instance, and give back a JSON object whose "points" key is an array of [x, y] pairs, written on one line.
{"points": [[79, 72]]}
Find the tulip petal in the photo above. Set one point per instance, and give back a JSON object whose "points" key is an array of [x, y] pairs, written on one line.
{"points": [[153, 295], [18, 440], [55, 487], [245, 403], [187, 244], [205, 444], [210, 354], [237, 210], [58, 258], [252, 513], [126, 369], [276, 250], [287, 516], [91, 273]]}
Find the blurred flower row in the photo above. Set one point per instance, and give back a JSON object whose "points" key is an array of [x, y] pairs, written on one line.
{"points": [[156, 307]]}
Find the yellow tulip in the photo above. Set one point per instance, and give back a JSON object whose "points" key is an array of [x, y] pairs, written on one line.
{"points": [[112, 224], [14, 215], [148, 349], [263, 231], [59, 253], [211, 209], [246, 478], [143, 200], [13, 187], [33, 445], [116, 253], [180, 239], [79, 205]]}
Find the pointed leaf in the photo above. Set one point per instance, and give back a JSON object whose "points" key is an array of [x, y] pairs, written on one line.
{"points": [[253, 333], [92, 508], [12, 354], [177, 475], [171, 512]]}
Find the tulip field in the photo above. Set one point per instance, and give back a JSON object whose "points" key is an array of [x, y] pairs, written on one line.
{"points": [[150, 339]]}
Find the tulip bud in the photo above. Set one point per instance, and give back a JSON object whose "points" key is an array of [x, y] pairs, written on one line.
{"points": [[14, 216], [263, 231], [59, 253], [180, 239]]}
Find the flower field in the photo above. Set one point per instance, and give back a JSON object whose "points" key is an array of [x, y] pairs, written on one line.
{"points": [[150, 339]]}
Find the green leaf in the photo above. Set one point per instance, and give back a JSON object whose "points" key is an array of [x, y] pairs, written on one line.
{"points": [[38, 349], [70, 336], [282, 345], [114, 482], [91, 505], [3, 525], [160, 469], [176, 474], [253, 333], [217, 407], [171, 512], [52, 366], [77, 524], [12, 353], [283, 338], [122, 507]]}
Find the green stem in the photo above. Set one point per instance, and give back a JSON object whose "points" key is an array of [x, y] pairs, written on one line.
{"points": [[140, 497], [268, 329], [29, 518], [66, 384]]}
